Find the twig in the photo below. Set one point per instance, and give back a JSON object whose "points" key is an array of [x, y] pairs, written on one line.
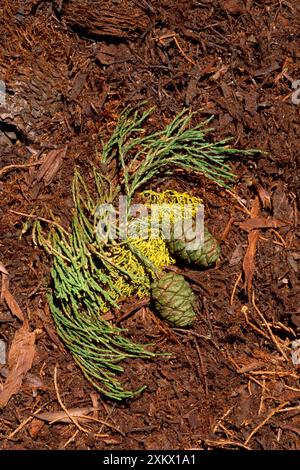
{"points": [[130, 309], [109, 413], [8, 168], [238, 199], [222, 418], [104, 423], [294, 389], [262, 398], [71, 438], [240, 371], [268, 328], [227, 229], [95, 404], [257, 382], [42, 219], [26, 421], [275, 372], [270, 415], [183, 330], [229, 434], [174, 37], [182, 51], [235, 287], [281, 326], [244, 310], [225, 443], [74, 421], [283, 242], [290, 408]]}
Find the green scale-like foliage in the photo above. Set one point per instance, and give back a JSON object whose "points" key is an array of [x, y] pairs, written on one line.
{"points": [[88, 280]]}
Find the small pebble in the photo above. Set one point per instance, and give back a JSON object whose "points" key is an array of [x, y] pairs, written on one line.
{"points": [[2, 352], [296, 352]]}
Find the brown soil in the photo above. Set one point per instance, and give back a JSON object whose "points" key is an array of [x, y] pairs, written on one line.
{"points": [[70, 67]]}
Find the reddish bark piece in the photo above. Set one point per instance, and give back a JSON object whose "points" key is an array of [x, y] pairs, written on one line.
{"points": [[51, 165], [106, 54], [101, 18], [4, 285], [249, 258], [261, 222], [264, 196], [35, 427], [236, 7], [20, 360]]}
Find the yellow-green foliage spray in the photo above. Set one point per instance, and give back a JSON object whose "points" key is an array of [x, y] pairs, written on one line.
{"points": [[89, 277]]}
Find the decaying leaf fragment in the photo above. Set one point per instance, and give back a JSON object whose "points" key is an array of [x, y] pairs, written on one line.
{"points": [[61, 417], [8, 297], [20, 360]]}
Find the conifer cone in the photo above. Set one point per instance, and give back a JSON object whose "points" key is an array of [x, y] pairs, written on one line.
{"points": [[174, 299], [204, 256]]}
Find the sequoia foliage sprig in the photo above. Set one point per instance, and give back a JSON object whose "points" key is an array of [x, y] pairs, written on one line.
{"points": [[89, 275]]}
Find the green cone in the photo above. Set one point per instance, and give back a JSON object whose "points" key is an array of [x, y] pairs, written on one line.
{"points": [[174, 299], [204, 256]]}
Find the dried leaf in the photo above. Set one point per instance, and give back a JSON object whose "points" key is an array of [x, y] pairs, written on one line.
{"points": [[20, 360], [13, 305], [111, 440], [48, 328], [261, 222], [255, 209], [288, 427], [62, 417], [10, 300]]}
